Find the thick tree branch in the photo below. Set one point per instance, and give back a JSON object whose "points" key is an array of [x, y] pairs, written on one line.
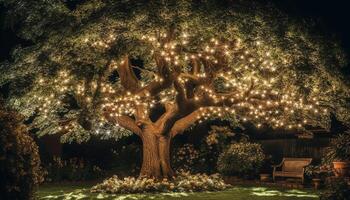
{"points": [[203, 104], [141, 116], [182, 124], [127, 76], [181, 97], [195, 66], [193, 78], [167, 119], [155, 87], [129, 124], [125, 122]]}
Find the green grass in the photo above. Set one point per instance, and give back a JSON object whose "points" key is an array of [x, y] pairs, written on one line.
{"points": [[81, 191]]}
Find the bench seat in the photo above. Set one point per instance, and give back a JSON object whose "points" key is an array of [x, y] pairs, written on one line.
{"points": [[288, 174]]}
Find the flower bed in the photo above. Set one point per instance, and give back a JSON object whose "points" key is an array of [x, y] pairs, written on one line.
{"points": [[184, 182]]}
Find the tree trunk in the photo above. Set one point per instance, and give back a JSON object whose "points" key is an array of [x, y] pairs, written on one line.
{"points": [[156, 156], [164, 155]]}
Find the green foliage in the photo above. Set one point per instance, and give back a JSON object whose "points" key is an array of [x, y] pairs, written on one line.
{"points": [[183, 182], [218, 136], [337, 189], [35, 17], [185, 157], [19, 158], [321, 171], [242, 159], [339, 149], [73, 169], [126, 160], [203, 157], [83, 41], [212, 145]]}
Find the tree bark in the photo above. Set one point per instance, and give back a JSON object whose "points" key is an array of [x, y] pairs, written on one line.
{"points": [[156, 156], [164, 155]]}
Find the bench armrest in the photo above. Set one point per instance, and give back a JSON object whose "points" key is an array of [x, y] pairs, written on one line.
{"points": [[304, 169], [276, 166], [306, 166]]}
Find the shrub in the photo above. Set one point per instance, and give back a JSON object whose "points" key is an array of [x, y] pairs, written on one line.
{"points": [[73, 169], [185, 157], [184, 182], [201, 156], [218, 138], [318, 171], [241, 159], [125, 157], [19, 158], [337, 189], [339, 149]]}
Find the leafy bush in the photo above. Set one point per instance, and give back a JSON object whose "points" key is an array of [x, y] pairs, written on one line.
{"points": [[184, 182], [337, 189], [19, 158], [318, 171], [203, 157], [125, 157], [339, 149], [185, 157], [218, 138], [73, 169], [241, 159]]}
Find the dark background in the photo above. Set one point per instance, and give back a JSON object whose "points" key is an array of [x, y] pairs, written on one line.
{"points": [[332, 17]]}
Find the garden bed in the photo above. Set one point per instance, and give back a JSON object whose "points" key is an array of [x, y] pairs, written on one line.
{"points": [[183, 182]]}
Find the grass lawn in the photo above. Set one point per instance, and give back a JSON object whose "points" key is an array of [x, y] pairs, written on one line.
{"points": [[81, 191]]}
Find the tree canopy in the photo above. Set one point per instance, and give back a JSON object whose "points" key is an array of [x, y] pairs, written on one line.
{"points": [[110, 68]]}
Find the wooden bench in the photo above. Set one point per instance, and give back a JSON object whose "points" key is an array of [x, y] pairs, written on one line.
{"points": [[291, 167]]}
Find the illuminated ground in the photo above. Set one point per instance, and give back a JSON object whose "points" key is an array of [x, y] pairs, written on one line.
{"points": [[246, 193]]}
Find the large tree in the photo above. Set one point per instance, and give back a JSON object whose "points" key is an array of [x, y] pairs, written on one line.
{"points": [[155, 68]]}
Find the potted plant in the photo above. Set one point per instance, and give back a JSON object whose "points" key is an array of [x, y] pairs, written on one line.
{"points": [[317, 174], [339, 153]]}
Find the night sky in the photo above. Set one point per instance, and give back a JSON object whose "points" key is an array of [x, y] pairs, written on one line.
{"points": [[332, 18]]}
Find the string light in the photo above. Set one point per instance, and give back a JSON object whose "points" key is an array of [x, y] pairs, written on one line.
{"points": [[249, 84]]}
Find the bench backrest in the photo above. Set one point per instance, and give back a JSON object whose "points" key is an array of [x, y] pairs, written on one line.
{"points": [[295, 164]]}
